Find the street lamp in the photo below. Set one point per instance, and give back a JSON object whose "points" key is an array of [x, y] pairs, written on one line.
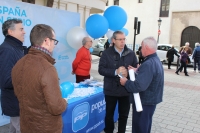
{"points": [[159, 23]]}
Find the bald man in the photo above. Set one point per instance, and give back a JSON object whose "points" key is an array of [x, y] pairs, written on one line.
{"points": [[82, 63]]}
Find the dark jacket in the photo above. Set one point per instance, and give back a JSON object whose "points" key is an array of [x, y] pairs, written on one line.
{"points": [[106, 45], [109, 62], [37, 87], [11, 50], [140, 52], [196, 54], [149, 81], [184, 56], [170, 54]]}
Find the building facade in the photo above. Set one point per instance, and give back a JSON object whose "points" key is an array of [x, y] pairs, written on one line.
{"points": [[180, 20], [84, 7]]}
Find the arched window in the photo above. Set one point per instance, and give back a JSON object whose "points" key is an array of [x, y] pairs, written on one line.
{"points": [[164, 8], [190, 34], [116, 2], [140, 1]]}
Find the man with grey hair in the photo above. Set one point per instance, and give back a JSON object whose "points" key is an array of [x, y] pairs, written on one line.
{"points": [[188, 51], [11, 50], [149, 83], [82, 63], [196, 56]]}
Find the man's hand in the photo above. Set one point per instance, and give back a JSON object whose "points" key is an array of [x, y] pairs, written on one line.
{"points": [[135, 69], [123, 81], [72, 73], [122, 71]]}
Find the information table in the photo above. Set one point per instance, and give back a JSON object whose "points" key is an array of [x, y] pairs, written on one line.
{"points": [[86, 115]]}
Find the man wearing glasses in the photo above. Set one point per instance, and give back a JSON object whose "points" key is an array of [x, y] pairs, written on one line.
{"points": [[115, 60], [36, 85], [82, 63]]}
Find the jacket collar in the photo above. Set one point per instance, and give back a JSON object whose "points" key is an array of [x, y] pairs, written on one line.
{"points": [[34, 51], [124, 52], [150, 56], [14, 41]]}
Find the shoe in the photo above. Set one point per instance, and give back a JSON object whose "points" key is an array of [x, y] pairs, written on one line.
{"points": [[169, 68], [177, 73], [180, 71], [186, 75]]}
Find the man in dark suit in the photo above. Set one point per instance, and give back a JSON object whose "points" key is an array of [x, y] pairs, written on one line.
{"points": [[170, 56]]}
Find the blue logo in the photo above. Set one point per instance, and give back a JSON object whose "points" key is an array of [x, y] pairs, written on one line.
{"points": [[80, 116]]}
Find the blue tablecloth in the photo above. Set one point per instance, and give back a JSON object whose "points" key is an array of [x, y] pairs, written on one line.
{"points": [[86, 114]]}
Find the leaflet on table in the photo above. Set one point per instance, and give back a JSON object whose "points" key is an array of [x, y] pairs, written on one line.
{"points": [[82, 90]]}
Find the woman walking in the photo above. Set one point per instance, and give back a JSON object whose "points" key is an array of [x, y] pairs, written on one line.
{"points": [[184, 61]]}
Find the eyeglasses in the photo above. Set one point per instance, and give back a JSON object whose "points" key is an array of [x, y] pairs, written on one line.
{"points": [[122, 39], [55, 41]]}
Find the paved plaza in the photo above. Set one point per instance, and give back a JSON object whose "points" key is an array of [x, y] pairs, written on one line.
{"points": [[180, 110]]}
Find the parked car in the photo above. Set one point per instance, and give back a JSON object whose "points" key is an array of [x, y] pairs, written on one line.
{"points": [[98, 46], [162, 52]]}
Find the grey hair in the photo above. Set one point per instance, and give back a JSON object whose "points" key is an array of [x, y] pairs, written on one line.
{"points": [[187, 44], [197, 44], [9, 24], [150, 42], [84, 40], [115, 34]]}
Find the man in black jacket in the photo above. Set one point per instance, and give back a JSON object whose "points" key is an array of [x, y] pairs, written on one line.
{"points": [[11, 50], [115, 60], [170, 56]]}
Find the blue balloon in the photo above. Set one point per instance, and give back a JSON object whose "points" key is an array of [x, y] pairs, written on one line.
{"points": [[116, 17], [125, 31], [96, 26], [66, 89], [91, 49]]}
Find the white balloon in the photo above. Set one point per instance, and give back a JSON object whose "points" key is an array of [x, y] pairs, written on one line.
{"points": [[109, 34], [75, 37]]}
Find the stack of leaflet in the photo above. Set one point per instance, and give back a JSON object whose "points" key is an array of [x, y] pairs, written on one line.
{"points": [[85, 89]]}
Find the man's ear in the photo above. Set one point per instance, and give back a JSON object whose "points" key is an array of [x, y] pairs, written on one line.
{"points": [[10, 32]]}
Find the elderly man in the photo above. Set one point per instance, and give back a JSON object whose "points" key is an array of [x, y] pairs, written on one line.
{"points": [[196, 57], [188, 51], [115, 60], [82, 63], [36, 85], [11, 50], [149, 83]]}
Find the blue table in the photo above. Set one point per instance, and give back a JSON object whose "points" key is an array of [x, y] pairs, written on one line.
{"points": [[86, 115]]}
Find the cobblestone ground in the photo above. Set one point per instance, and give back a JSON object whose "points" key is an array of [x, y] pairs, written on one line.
{"points": [[179, 111]]}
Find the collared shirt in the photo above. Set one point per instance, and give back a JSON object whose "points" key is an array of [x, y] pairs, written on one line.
{"points": [[120, 53], [42, 49]]}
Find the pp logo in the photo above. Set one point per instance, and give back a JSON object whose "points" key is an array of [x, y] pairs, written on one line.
{"points": [[80, 116]]}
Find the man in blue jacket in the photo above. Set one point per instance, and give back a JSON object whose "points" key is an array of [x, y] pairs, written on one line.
{"points": [[115, 60], [11, 50], [196, 57], [149, 83]]}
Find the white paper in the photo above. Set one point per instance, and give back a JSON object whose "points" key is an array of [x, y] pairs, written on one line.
{"points": [[136, 96]]}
